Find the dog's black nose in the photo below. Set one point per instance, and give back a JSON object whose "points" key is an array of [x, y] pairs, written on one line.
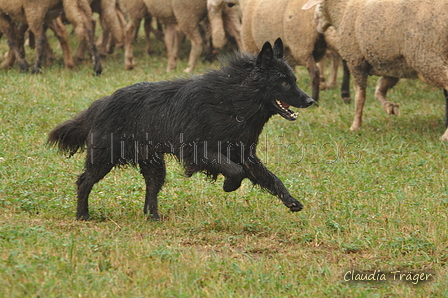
{"points": [[310, 102]]}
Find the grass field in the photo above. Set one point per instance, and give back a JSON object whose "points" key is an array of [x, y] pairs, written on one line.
{"points": [[376, 201]]}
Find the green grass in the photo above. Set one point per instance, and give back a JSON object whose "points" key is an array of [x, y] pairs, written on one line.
{"points": [[376, 199]]}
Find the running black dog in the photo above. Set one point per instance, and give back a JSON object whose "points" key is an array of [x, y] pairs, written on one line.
{"points": [[211, 123]]}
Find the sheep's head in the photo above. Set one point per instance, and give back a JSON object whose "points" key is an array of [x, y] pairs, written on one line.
{"points": [[321, 21], [218, 5], [312, 3]]}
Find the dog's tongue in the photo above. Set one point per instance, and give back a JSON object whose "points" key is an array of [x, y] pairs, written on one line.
{"points": [[285, 105]]}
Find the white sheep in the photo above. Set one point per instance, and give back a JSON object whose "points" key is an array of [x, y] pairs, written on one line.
{"points": [[269, 19], [390, 38], [225, 18]]}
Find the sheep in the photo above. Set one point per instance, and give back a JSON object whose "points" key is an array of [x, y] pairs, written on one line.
{"points": [[393, 39], [269, 19], [332, 41], [134, 11], [18, 42], [79, 13], [110, 22], [35, 14], [224, 18], [60, 32], [175, 15], [25, 12]]}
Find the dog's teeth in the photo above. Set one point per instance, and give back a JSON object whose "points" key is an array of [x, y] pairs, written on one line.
{"points": [[280, 105]]}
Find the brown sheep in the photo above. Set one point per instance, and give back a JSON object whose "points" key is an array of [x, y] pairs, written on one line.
{"points": [[57, 26], [79, 13], [35, 14], [110, 22], [135, 11], [28, 12], [175, 15]]}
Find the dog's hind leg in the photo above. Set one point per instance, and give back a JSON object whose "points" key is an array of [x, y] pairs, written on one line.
{"points": [[92, 174], [260, 175], [233, 172], [232, 183], [154, 172]]}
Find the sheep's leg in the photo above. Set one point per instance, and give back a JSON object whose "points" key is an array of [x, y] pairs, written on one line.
{"points": [[97, 67], [82, 48], [217, 26], [111, 20], [360, 78], [8, 60], [92, 174], [196, 50], [103, 40], [130, 32], [148, 28], [21, 38], [154, 172], [172, 44], [383, 85], [232, 23], [445, 135], [10, 57], [61, 33], [10, 31], [41, 42], [35, 18], [314, 73], [345, 87], [79, 13], [331, 83], [335, 59], [191, 28], [445, 92], [260, 175], [321, 66], [49, 55], [122, 23]]}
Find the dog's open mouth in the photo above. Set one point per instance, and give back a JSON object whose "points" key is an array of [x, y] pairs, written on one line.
{"points": [[284, 111]]}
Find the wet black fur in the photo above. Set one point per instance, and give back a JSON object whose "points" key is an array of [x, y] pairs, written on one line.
{"points": [[211, 123]]}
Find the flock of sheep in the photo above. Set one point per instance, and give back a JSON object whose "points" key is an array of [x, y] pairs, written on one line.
{"points": [[392, 39]]}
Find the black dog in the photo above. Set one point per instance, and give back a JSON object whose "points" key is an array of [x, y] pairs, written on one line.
{"points": [[211, 123]]}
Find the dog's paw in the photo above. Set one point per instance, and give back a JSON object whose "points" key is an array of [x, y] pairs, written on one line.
{"points": [[293, 204], [153, 217], [231, 184], [84, 216]]}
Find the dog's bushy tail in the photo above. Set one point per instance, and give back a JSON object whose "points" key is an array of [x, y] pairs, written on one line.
{"points": [[71, 135]]}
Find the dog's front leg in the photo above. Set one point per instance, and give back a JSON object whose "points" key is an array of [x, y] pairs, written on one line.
{"points": [[260, 175]]}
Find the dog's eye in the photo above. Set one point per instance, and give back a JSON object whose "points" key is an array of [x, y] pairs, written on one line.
{"points": [[285, 85]]}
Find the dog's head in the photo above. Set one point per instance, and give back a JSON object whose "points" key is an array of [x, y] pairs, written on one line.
{"points": [[282, 90]]}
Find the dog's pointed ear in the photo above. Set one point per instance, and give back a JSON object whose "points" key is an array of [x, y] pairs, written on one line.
{"points": [[266, 55], [279, 50]]}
